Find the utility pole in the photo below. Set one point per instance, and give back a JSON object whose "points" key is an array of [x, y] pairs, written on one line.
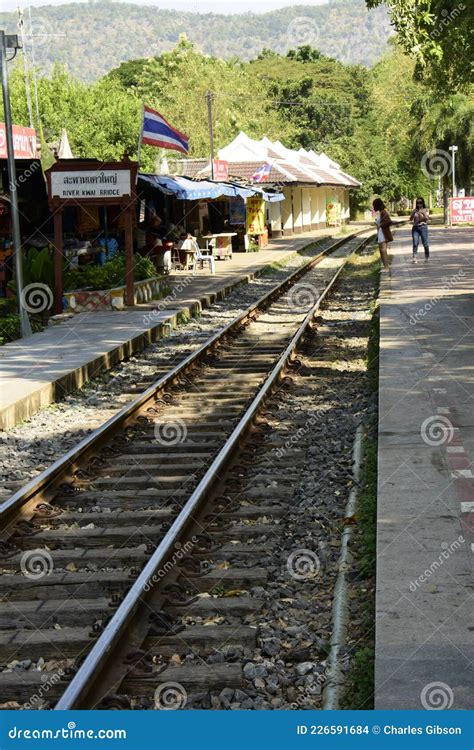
{"points": [[10, 41], [21, 28], [210, 99]]}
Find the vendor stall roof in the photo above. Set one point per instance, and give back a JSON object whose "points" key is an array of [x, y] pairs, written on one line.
{"points": [[189, 190], [246, 156]]}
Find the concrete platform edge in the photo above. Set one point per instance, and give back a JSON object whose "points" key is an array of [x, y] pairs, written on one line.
{"points": [[51, 393]]}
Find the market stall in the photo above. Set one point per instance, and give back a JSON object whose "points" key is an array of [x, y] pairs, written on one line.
{"points": [[215, 213], [93, 205], [221, 244]]}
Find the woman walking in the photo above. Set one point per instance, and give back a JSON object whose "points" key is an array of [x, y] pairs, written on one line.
{"points": [[419, 218], [384, 235]]}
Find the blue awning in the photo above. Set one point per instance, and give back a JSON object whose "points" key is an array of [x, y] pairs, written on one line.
{"points": [[191, 190]]}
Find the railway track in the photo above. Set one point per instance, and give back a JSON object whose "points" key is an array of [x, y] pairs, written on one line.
{"points": [[103, 553]]}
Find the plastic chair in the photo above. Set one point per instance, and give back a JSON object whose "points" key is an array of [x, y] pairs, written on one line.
{"points": [[200, 259]]}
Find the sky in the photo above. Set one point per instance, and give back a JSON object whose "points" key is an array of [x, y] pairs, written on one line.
{"points": [[202, 6]]}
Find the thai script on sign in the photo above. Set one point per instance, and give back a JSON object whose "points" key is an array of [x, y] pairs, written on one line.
{"points": [[90, 179], [24, 142], [90, 184]]}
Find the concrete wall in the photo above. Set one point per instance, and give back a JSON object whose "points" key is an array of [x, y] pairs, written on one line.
{"points": [[275, 218], [287, 212], [314, 208], [297, 209], [306, 199], [346, 214]]}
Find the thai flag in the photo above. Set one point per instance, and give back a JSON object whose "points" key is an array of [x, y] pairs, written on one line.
{"points": [[157, 131], [262, 173]]}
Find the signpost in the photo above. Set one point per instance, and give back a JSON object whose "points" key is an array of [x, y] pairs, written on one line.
{"points": [[84, 183], [105, 183], [255, 215]]}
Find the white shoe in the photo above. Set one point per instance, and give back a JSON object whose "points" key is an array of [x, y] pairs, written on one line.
{"points": [[414, 259]]}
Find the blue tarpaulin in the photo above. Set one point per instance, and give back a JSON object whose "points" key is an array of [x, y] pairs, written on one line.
{"points": [[192, 190]]}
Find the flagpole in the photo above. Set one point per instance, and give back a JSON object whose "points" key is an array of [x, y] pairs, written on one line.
{"points": [[140, 137]]}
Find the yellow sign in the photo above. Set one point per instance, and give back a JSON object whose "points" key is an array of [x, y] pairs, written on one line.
{"points": [[333, 214], [255, 215]]}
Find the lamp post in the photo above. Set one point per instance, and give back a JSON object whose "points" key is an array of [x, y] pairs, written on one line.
{"points": [[453, 150], [10, 41], [210, 99]]}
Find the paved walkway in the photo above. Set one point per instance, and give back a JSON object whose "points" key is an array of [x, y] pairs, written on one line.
{"points": [[42, 368], [425, 644]]}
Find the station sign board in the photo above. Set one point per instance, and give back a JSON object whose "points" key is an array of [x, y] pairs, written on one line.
{"points": [[462, 210], [24, 142], [91, 184]]}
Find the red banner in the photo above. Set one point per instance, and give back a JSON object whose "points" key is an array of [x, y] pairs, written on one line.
{"points": [[462, 210], [24, 142], [221, 170]]}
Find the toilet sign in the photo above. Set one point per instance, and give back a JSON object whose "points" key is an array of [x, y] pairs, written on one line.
{"points": [[462, 210]]}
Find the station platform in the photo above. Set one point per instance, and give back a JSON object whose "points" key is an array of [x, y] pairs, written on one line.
{"points": [[40, 369], [425, 525]]}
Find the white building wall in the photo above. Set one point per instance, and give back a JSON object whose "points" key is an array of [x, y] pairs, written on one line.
{"points": [[314, 207], [275, 217], [322, 206], [346, 214], [297, 210], [287, 212], [306, 209]]}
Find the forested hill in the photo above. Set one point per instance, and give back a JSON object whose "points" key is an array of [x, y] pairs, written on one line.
{"points": [[93, 37]]}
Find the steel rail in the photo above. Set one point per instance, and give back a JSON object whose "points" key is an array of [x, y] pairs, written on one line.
{"points": [[89, 671], [48, 480]]}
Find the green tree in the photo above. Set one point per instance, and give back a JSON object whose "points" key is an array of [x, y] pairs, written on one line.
{"points": [[102, 119], [438, 35], [176, 84]]}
